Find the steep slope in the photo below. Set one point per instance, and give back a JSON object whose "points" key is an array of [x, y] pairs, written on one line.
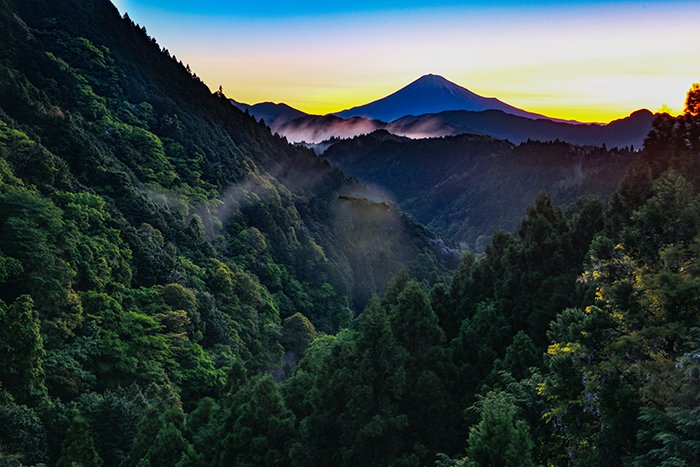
{"points": [[430, 94], [154, 236], [467, 187]]}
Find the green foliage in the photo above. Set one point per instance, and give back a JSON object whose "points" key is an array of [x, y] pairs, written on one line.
{"points": [[100, 256], [478, 345], [160, 440], [153, 236], [79, 447], [467, 187], [31, 230], [113, 417], [372, 425], [22, 347], [415, 325], [499, 439], [297, 333], [202, 428], [258, 428], [521, 355], [22, 435], [671, 436], [365, 371], [160, 250], [618, 386], [426, 402]]}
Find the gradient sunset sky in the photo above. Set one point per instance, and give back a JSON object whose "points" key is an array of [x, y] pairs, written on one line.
{"points": [[588, 60]]}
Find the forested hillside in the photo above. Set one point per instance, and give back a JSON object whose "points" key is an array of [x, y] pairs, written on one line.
{"points": [[467, 187], [154, 239], [180, 287], [574, 341]]}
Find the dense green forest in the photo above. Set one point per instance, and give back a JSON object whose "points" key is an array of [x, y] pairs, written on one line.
{"points": [[467, 187], [180, 287]]}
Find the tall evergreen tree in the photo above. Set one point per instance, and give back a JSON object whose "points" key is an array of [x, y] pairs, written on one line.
{"points": [[500, 439], [356, 416], [433, 419], [22, 348], [78, 447], [160, 440], [415, 325], [258, 428], [373, 428], [203, 429]]}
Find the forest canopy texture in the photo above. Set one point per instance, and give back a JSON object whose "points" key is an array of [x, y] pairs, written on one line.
{"points": [[178, 286]]}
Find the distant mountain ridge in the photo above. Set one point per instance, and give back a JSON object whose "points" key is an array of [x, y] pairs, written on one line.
{"points": [[433, 106], [318, 128], [431, 94], [466, 187], [627, 131], [273, 114]]}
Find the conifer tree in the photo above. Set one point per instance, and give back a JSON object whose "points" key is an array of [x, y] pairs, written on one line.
{"points": [[372, 424], [148, 429], [415, 325], [171, 447], [259, 429], [433, 420], [499, 439], [160, 440], [79, 448], [22, 350]]}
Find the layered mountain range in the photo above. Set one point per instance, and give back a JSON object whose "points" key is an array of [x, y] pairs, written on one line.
{"points": [[433, 106], [181, 287], [466, 187]]}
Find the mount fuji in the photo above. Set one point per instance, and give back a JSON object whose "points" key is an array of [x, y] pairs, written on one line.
{"points": [[431, 94], [433, 106]]}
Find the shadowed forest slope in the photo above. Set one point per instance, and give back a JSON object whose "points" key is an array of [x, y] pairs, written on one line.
{"points": [[467, 187]]}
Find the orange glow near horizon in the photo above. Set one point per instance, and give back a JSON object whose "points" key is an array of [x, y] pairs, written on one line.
{"points": [[585, 109], [589, 63]]}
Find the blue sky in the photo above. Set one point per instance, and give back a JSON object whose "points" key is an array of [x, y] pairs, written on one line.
{"points": [[588, 60], [278, 8]]}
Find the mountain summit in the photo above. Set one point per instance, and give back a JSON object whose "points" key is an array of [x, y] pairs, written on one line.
{"points": [[431, 94], [273, 114]]}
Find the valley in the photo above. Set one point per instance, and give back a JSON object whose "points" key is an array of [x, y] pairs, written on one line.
{"points": [[467, 187], [432, 278]]}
